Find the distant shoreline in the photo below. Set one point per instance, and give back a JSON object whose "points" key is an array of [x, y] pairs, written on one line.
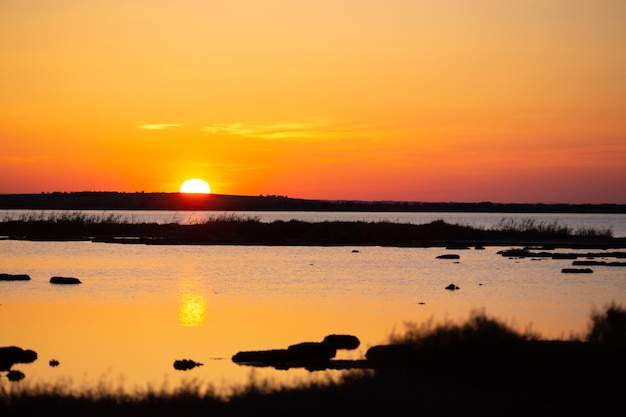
{"points": [[220, 202], [240, 230]]}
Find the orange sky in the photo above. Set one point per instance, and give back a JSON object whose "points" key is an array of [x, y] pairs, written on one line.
{"points": [[419, 100]]}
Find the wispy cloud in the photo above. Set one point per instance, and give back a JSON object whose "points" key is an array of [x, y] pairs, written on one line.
{"points": [[305, 128], [158, 126]]}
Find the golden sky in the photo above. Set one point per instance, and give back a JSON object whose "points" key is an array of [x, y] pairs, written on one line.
{"points": [[415, 100]]}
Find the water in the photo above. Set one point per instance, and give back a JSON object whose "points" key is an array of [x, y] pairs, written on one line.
{"points": [[139, 307]]}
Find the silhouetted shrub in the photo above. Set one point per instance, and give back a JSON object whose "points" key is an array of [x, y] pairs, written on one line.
{"points": [[478, 329], [608, 325]]}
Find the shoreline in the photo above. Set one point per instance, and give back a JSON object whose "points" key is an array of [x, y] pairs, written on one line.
{"points": [[235, 230]]}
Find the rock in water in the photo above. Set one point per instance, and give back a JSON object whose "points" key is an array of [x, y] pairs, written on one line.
{"points": [[10, 355], [342, 341], [64, 280], [449, 256], [15, 375], [185, 364], [14, 277]]}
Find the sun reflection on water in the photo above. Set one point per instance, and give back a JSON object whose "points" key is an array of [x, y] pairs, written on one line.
{"points": [[192, 310]]}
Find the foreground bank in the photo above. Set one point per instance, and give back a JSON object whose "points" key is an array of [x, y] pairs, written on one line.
{"points": [[480, 367]]}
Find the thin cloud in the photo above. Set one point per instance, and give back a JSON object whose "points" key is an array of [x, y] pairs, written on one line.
{"points": [[306, 128], [158, 126]]}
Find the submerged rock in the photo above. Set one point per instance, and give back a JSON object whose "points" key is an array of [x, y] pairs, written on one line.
{"points": [[576, 270], [598, 263], [14, 277], [449, 256], [64, 280]]}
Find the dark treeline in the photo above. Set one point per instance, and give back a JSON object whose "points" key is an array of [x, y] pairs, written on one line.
{"points": [[218, 202]]}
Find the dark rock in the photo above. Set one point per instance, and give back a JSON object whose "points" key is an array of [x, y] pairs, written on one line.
{"points": [[298, 354], [14, 277], [309, 355], [64, 280], [15, 375], [516, 253], [312, 351], [452, 287], [185, 364], [479, 247], [394, 355], [576, 270], [10, 355], [342, 341], [449, 256], [598, 263], [54, 363], [588, 263], [564, 256], [263, 356]]}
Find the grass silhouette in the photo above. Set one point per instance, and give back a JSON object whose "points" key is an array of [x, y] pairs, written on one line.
{"points": [[236, 229], [480, 367]]}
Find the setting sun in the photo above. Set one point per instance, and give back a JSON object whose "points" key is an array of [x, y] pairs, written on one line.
{"points": [[195, 186]]}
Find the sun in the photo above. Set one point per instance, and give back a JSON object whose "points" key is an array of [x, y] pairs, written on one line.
{"points": [[195, 186]]}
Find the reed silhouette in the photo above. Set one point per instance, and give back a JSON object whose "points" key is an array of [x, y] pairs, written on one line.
{"points": [[479, 367], [235, 229]]}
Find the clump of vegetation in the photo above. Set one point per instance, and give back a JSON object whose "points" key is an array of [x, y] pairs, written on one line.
{"points": [[608, 325], [232, 228], [478, 329], [533, 227], [229, 217], [68, 218]]}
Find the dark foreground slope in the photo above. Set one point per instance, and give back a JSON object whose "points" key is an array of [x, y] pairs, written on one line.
{"points": [[481, 368]]}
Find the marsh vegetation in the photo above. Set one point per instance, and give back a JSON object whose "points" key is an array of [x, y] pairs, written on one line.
{"points": [[482, 365], [235, 229]]}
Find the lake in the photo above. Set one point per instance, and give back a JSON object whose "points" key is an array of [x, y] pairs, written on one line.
{"points": [[140, 308]]}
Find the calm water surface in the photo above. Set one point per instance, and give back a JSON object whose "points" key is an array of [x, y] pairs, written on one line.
{"points": [[142, 307]]}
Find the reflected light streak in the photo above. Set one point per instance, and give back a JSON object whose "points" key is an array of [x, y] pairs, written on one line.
{"points": [[192, 311]]}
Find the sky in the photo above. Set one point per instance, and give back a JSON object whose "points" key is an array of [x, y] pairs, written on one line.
{"points": [[407, 100]]}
